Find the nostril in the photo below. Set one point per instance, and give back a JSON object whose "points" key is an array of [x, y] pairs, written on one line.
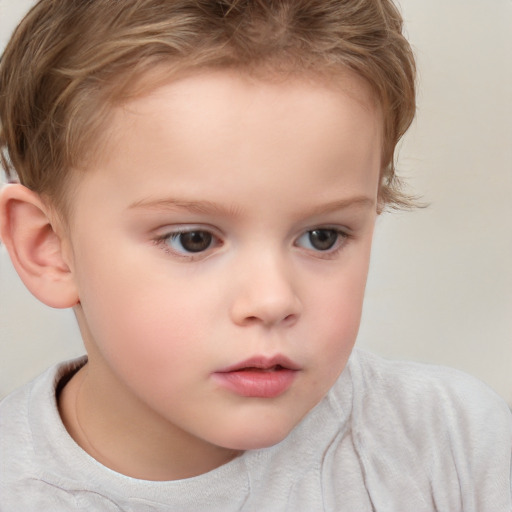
{"points": [[286, 320], [290, 318]]}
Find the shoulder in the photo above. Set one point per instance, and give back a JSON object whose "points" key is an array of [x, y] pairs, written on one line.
{"points": [[412, 389], [17, 451], [14, 416], [443, 432], [28, 425], [14, 432]]}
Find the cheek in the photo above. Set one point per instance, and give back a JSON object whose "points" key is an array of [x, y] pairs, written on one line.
{"points": [[337, 311], [337, 333], [131, 316], [148, 327], [147, 348]]}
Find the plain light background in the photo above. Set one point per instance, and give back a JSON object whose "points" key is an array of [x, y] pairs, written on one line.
{"points": [[440, 284]]}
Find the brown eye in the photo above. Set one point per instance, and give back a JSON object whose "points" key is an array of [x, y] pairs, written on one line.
{"points": [[191, 241], [323, 239]]}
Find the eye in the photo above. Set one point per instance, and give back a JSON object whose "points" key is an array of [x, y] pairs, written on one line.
{"points": [[193, 241], [321, 239]]}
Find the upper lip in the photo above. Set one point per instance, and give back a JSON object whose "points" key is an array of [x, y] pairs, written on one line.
{"points": [[262, 363]]}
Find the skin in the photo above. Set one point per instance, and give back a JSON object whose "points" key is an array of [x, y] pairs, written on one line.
{"points": [[258, 164]]}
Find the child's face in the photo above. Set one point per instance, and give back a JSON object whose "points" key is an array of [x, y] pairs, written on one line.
{"points": [[228, 226]]}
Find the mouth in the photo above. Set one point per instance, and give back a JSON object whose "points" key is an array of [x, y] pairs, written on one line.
{"points": [[264, 364], [275, 368], [258, 377]]}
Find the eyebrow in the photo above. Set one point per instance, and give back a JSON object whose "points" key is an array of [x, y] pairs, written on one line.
{"points": [[363, 202], [209, 207], [173, 204]]}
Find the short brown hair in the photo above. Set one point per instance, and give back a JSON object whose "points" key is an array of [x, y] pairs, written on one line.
{"points": [[69, 61]]}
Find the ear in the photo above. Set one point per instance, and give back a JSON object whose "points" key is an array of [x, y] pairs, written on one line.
{"points": [[36, 246]]}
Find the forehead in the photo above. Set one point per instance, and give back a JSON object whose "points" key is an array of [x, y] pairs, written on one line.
{"points": [[223, 133], [217, 100]]}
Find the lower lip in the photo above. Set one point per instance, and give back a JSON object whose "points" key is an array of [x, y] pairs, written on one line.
{"points": [[257, 383]]}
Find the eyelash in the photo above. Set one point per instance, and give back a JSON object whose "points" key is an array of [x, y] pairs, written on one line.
{"points": [[342, 237]]}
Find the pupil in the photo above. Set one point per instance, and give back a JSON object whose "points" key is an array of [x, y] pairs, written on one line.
{"points": [[196, 241], [323, 239]]}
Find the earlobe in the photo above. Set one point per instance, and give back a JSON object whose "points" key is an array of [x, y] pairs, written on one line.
{"points": [[36, 247]]}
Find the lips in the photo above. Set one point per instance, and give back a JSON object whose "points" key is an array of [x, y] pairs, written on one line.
{"points": [[258, 377]]}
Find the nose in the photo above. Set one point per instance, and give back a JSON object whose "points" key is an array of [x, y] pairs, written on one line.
{"points": [[266, 293]]}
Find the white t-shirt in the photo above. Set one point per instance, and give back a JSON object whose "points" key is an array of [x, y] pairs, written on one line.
{"points": [[388, 437]]}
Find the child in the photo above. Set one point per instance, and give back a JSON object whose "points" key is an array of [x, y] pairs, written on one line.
{"points": [[199, 181]]}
